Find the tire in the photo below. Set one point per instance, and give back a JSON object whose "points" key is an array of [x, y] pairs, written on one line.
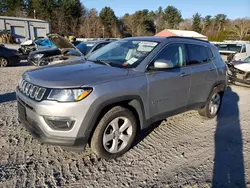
{"points": [[3, 62], [43, 62], [110, 142], [213, 105]]}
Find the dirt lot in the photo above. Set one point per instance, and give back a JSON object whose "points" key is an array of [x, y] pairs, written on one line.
{"points": [[184, 151]]}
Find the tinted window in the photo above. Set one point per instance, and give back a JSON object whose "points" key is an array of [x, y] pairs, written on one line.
{"points": [[230, 47], [197, 54], [174, 53], [210, 54]]}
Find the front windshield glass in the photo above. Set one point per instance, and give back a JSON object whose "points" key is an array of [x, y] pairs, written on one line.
{"points": [[230, 47], [124, 53]]}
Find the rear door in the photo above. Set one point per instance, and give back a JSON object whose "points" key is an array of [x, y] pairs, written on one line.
{"points": [[168, 89], [204, 73]]}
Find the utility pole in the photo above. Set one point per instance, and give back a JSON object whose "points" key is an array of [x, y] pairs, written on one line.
{"points": [[34, 13], [103, 31]]}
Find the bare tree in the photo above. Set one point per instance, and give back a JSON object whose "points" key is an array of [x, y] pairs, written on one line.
{"points": [[186, 24], [241, 27]]}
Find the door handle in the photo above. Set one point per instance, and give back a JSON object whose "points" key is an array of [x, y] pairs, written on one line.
{"points": [[184, 74]]}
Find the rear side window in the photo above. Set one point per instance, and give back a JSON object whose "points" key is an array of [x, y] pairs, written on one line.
{"points": [[210, 54], [197, 54]]}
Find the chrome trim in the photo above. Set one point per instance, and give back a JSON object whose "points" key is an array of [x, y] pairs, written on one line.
{"points": [[32, 91]]}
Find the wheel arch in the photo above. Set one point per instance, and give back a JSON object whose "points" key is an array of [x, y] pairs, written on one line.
{"points": [[132, 102], [218, 86]]}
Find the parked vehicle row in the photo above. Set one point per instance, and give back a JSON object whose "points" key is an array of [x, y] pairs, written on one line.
{"points": [[64, 50], [106, 99]]}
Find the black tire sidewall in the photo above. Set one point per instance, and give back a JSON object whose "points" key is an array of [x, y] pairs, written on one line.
{"points": [[97, 138], [208, 114], [6, 60]]}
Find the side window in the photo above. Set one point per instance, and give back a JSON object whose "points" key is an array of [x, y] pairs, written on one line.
{"points": [[174, 53], [197, 54], [210, 54], [244, 50]]}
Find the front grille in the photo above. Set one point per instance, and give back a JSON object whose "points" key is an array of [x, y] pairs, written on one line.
{"points": [[32, 91]]}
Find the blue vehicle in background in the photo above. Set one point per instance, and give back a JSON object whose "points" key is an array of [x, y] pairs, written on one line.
{"points": [[33, 45]]}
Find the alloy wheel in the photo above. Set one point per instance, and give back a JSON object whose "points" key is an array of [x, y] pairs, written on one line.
{"points": [[214, 104], [117, 134]]}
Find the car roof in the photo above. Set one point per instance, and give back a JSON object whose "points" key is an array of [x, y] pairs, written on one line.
{"points": [[161, 39], [153, 38], [97, 41]]}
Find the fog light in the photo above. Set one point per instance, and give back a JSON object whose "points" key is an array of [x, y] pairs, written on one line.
{"points": [[60, 123]]}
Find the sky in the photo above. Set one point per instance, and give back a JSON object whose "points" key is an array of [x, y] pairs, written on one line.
{"points": [[232, 8]]}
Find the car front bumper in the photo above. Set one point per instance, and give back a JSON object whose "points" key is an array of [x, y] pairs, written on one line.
{"points": [[32, 113], [34, 61]]}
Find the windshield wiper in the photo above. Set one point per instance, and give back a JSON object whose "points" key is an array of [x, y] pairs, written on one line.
{"points": [[101, 62]]}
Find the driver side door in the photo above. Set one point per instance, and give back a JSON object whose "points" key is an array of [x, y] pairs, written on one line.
{"points": [[168, 89]]}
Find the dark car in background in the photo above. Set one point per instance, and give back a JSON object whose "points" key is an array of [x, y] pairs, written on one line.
{"points": [[76, 48], [8, 56]]}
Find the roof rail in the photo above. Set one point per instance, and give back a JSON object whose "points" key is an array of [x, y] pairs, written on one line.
{"points": [[192, 38]]}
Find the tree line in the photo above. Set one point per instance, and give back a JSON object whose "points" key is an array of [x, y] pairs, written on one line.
{"points": [[72, 17]]}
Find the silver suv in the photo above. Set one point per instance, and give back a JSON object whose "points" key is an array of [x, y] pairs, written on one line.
{"points": [[122, 88]]}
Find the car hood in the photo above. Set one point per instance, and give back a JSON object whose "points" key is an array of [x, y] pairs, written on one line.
{"points": [[245, 67], [73, 74], [45, 51], [62, 43]]}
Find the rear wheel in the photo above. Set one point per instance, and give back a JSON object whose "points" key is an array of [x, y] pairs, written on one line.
{"points": [[3, 62], [211, 109], [115, 133]]}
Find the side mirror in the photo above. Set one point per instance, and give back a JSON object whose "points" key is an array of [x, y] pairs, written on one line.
{"points": [[163, 64]]}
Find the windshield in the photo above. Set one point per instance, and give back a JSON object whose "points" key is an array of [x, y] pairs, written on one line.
{"points": [[230, 47], [124, 53], [84, 48]]}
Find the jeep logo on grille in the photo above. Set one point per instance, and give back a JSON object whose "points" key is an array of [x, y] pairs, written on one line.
{"points": [[32, 91]]}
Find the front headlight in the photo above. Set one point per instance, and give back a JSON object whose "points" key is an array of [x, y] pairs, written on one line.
{"points": [[69, 95], [38, 56]]}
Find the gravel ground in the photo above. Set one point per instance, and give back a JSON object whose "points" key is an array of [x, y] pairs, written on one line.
{"points": [[183, 151]]}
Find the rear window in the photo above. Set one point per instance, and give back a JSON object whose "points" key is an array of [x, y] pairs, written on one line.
{"points": [[197, 54], [85, 47], [230, 47]]}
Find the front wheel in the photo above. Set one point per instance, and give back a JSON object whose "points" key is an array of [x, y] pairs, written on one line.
{"points": [[3, 62], [211, 109], [115, 133]]}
